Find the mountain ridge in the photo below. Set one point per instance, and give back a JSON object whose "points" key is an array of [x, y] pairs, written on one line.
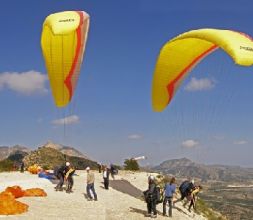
{"points": [[6, 151], [70, 151], [184, 167]]}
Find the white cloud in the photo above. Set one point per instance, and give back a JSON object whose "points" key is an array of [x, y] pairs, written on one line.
{"points": [[25, 83], [200, 84], [135, 136], [190, 143], [240, 142], [73, 119]]}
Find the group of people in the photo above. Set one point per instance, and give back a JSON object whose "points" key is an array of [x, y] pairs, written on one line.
{"points": [[112, 170], [65, 173], [154, 194], [91, 180]]}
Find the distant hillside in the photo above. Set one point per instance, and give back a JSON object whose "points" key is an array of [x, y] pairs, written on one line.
{"points": [[70, 151], [5, 151], [48, 155], [12, 157], [49, 158], [186, 168]]}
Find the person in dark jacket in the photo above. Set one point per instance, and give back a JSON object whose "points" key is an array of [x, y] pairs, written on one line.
{"points": [[169, 189], [106, 174], [113, 171], [151, 197], [60, 174], [99, 168]]}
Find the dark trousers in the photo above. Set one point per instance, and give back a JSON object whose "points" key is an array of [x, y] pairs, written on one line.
{"points": [[91, 187], [169, 200], [192, 204], [61, 181], [70, 183], [106, 183], [151, 205]]}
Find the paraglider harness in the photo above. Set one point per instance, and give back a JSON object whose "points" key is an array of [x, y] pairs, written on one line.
{"points": [[157, 195], [60, 171], [185, 188]]}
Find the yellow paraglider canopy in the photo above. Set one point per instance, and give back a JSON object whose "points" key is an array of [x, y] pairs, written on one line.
{"points": [[63, 42], [181, 54]]}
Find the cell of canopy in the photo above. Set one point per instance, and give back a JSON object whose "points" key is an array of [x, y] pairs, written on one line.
{"points": [[63, 41], [181, 54]]}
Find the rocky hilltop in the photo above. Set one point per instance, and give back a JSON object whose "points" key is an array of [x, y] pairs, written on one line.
{"points": [[47, 156], [70, 151]]}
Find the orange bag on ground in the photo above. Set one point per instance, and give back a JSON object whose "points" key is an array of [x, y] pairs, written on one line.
{"points": [[35, 192]]}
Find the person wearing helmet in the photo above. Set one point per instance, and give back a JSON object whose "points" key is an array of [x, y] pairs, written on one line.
{"points": [[60, 174], [151, 197], [90, 185], [69, 178]]}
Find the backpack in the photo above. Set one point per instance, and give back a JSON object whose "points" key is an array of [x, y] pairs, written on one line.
{"points": [[186, 187], [56, 170], [159, 194]]}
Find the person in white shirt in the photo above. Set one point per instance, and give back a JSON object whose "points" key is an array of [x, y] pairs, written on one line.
{"points": [[106, 177]]}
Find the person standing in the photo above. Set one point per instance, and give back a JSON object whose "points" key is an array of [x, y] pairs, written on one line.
{"points": [[69, 179], [99, 167], [106, 174], [151, 195], [113, 171], [170, 189], [90, 185], [22, 167]]}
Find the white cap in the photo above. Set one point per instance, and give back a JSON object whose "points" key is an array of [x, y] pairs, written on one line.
{"points": [[67, 164], [87, 168], [192, 181], [151, 177]]}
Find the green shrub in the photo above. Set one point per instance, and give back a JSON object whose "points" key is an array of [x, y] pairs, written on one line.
{"points": [[6, 165], [130, 164]]}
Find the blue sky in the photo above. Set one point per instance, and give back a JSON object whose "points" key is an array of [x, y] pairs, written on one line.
{"points": [[209, 120]]}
